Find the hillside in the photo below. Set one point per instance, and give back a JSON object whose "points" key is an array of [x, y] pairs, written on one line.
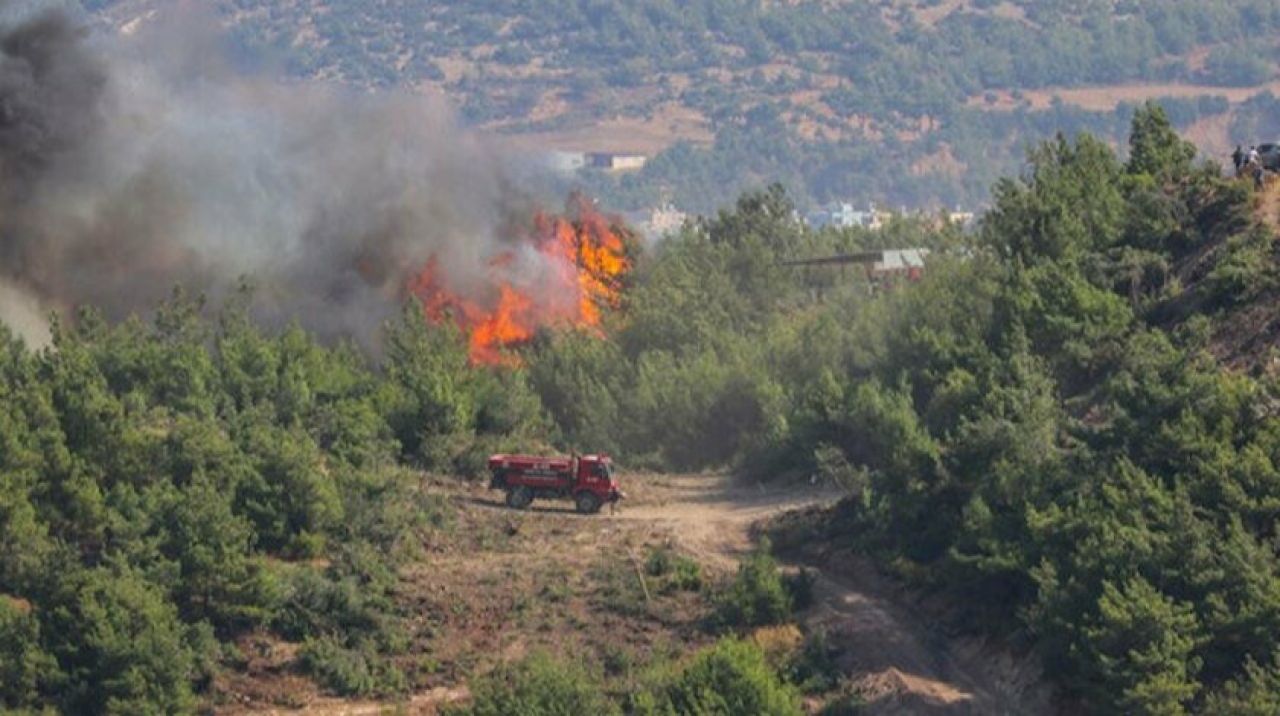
{"points": [[1056, 451], [923, 104]]}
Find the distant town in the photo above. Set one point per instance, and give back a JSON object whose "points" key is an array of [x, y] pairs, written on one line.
{"points": [[655, 222]]}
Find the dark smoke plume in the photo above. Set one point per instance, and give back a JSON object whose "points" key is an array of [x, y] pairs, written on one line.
{"points": [[132, 163]]}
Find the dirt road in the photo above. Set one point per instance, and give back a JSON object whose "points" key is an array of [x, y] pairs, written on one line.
{"points": [[898, 662], [709, 515]]}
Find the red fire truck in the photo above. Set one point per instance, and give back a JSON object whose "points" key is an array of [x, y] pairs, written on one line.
{"points": [[588, 479]]}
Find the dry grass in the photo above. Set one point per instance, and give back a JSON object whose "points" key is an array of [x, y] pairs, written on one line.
{"points": [[499, 585]]}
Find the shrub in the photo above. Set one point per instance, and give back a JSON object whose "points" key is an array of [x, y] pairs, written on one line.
{"points": [[317, 604], [814, 670], [757, 596], [800, 588], [779, 644], [844, 704], [676, 571], [1245, 269], [538, 686], [686, 576], [350, 672], [729, 678]]}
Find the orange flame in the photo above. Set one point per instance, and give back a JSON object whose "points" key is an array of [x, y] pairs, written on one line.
{"points": [[587, 259]]}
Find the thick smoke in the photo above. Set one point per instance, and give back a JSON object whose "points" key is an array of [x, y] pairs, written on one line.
{"points": [[132, 163]]}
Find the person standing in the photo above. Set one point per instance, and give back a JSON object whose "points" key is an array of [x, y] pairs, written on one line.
{"points": [[1237, 158]]}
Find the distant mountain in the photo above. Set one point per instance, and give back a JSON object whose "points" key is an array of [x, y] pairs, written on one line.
{"points": [[902, 103]]}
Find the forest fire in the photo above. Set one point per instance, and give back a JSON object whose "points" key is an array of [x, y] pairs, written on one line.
{"points": [[579, 258]]}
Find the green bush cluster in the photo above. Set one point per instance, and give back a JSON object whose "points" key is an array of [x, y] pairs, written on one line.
{"points": [[677, 572], [350, 671], [539, 686], [758, 594], [168, 485], [729, 678]]}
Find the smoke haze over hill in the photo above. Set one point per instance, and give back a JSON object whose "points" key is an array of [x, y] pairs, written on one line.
{"points": [[134, 163]]}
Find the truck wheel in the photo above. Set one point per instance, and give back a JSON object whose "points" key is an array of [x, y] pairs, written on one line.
{"points": [[519, 497], [587, 502]]}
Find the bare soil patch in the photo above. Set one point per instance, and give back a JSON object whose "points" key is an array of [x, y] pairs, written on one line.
{"points": [[668, 124]]}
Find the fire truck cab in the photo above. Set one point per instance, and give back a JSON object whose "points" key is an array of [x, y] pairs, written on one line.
{"points": [[588, 480]]}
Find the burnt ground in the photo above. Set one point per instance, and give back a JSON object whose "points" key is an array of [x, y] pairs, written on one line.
{"points": [[501, 584]]}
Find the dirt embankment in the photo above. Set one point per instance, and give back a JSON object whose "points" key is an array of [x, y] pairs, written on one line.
{"points": [[511, 582]]}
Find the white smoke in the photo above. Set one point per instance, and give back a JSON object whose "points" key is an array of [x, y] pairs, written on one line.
{"points": [[24, 315]]}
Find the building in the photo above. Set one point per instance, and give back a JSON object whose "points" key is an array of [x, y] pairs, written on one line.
{"points": [[898, 263], [842, 215], [959, 217], [883, 267], [616, 162]]}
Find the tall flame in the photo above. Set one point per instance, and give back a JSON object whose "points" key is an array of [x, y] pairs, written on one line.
{"points": [[582, 260]]}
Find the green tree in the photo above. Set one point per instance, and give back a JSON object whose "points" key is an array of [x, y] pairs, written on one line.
{"points": [[121, 644], [1155, 148], [1070, 203], [1145, 642], [27, 672], [434, 405]]}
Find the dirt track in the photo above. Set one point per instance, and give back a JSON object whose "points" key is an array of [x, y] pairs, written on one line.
{"points": [[897, 661]]}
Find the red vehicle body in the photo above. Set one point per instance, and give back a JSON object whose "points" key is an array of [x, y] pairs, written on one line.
{"points": [[588, 480]]}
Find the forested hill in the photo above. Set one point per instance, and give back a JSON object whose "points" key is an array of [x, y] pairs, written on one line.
{"points": [[901, 102]]}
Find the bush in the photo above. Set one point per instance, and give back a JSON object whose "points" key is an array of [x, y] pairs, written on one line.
{"points": [[1245, 270], [676, 571], [814, 670], [350, 672], [844, 704], [317, 605], [729, 678], [757, 596], [800, 588], [779, 644], [538, 686]]}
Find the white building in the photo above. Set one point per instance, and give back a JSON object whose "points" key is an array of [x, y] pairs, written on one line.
{"points": [[616, 162], [842, 215]]}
